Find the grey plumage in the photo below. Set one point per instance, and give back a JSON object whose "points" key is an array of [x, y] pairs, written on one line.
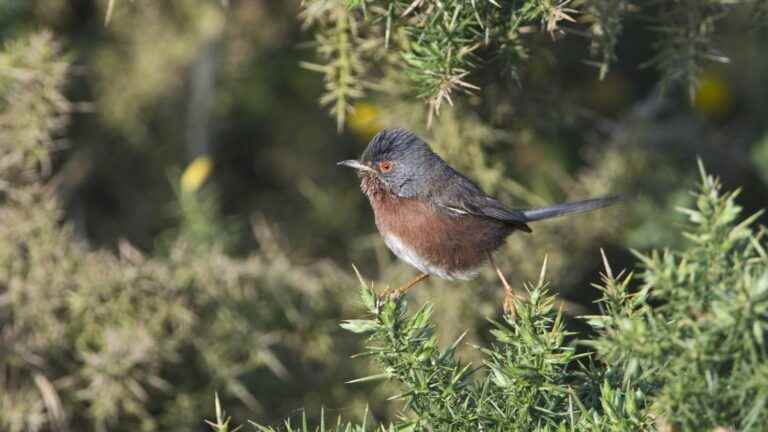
{"points": [[422, 173]]}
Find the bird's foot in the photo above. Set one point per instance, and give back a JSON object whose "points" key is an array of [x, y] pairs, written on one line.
{"points": [[394, 294], [390, 294]]}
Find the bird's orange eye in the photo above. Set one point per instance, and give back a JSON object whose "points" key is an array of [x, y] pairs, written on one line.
{"points": [[385, 166]]}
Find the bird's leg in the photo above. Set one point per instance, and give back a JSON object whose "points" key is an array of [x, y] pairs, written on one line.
{"points": [[413, 282], [405, 287], [509, 297]]}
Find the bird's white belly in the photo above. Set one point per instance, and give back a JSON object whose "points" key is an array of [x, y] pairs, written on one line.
{"points": [[410, 256]]}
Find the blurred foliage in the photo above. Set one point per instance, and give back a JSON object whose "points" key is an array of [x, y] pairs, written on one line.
{"points": [[93, 340], [696, 362], [172, 222], [33, 110]]}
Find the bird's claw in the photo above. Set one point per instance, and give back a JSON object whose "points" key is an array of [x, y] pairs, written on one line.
{"points": [[395, 294], [389, 294]]}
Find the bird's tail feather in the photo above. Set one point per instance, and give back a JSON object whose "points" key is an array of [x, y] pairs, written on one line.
{"points": [[569, 208]]}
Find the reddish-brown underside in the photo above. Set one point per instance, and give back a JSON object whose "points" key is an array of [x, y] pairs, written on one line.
{"points": [[451, 242]]}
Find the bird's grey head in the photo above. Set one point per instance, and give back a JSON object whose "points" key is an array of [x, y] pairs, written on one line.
{"points": [[402, 161]]}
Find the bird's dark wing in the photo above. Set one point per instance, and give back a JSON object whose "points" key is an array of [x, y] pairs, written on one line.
{"points": [[460, 196]]}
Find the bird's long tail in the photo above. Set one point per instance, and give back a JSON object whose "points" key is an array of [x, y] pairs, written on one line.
{"points": [[569, 208]]}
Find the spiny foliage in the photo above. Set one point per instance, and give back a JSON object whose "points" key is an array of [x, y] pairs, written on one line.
{"points": [[439, 45], [702, 353], [530, 379], [684, 350]]}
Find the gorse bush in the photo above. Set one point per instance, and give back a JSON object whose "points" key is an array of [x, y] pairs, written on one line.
{"points": [[531, 379], [700, 355], [442, 46], [683, 349], [525, 380], [96, 340]]}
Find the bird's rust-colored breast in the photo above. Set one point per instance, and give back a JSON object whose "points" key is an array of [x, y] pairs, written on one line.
{"points": [[453, 243]]}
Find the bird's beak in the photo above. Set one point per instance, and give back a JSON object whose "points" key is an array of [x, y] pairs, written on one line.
{"points": [[356, 164]]}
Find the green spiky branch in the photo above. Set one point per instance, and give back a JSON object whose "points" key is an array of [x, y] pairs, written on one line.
{"points": [[340, 50], [531, 378], [440, 45]]}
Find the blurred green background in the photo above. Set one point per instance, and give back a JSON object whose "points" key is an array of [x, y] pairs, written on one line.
{"points": [[196, 236]]}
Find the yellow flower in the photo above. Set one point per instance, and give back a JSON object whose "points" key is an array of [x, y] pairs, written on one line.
{"points": [[713, 96], [196, 173], [364, 120]]}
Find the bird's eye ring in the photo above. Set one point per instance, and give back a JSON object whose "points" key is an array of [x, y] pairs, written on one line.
{"points": [[386, 166]]}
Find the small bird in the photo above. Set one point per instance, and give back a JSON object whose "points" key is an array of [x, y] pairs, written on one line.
{"points": [[435, 218]]}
